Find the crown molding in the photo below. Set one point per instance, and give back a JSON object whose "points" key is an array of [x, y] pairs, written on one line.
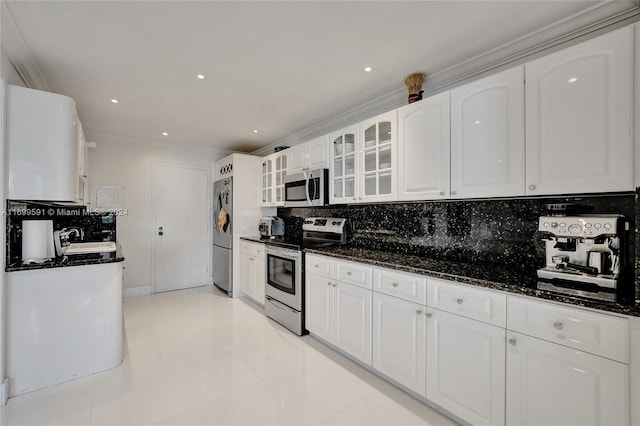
{"points": [[602, 17], [18, 52]]}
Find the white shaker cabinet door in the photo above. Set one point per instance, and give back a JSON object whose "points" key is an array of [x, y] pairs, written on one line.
{"points": [[352, 331], [247, 274], [487, 136], [549, 384], [318, 153], [399, 334], [319, 306], [465, 367], [579, 117], [423, 149]]}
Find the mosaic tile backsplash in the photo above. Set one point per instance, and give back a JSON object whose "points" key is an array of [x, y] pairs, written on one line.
{"points": [[497, 233]]}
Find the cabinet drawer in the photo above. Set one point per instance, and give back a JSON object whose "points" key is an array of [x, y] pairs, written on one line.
{"points": [[599, 334], [319, 265], [352, 273], [470, 302], [252, 249], [406, 286]]}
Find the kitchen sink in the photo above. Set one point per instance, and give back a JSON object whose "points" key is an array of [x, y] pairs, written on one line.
{"points": [[92, 247]]}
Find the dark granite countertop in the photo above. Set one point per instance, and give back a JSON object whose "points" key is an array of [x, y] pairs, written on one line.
{"points": [[71, 260], [488, 276], [278, 241]]}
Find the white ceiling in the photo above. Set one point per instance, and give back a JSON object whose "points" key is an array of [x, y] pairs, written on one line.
{"points": [[278, 67]]}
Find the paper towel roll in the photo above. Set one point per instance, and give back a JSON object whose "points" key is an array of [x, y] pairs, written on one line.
{"points": [[37, 241]]}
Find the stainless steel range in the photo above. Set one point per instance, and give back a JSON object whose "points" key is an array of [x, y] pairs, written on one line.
{"points": [[285, 274]]}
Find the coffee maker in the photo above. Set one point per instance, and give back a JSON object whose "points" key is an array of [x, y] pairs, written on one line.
{"points": [[586, 256]]}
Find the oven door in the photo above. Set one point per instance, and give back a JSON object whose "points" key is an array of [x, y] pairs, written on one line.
{"points": [[284, 276]]}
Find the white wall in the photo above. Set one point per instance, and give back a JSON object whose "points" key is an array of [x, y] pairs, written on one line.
{"points": [[128, 162]]}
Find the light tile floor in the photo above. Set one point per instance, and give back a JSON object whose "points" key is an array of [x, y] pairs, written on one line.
{"points": [[197, 357]]}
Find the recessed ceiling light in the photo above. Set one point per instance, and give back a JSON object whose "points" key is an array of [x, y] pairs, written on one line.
{"points": [[255, 130], [165, 134], [573, 80], [200, 76], [114, 101], [367, 69], [477, 122]]}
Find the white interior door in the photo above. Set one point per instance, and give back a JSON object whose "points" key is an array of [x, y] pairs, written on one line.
{"points": [[181, 228]]}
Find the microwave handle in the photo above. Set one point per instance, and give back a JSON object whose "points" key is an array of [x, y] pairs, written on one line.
{"points": [[306, 186]]}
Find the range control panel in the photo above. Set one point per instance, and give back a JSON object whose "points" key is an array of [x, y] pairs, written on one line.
{"points": [[324, 224], [579, 226]]}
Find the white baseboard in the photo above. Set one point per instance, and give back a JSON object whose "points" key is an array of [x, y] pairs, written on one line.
{"points": [[4, 392], [137, 291]]}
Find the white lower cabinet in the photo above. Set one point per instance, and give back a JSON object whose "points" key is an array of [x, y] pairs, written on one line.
{"points": [[553, 364], [466, 367], [339, 313], [550, 384], [253, 271], [352, 328], [319, 306], [399, 334]]}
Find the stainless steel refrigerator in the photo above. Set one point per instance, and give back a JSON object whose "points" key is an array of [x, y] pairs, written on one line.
{"points": [[223, 235]]}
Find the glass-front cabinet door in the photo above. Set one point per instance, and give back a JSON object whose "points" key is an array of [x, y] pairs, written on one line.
{"points": [[280, 171], [267, 182], [378, 158], [344, 166]]}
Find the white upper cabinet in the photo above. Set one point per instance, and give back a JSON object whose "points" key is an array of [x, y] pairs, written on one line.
{"points": [[274, 170], [308, 156], [378, 145], [487, 136], [423, 149], [43, 137], [267, 180], [344, 166], [579, 117]]}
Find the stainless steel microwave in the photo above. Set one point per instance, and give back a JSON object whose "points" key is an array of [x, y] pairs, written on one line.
{"points": [[309, 188]]}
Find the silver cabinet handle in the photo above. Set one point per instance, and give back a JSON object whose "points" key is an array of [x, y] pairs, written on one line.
{"points": [[328, 283], [419, 312], [459, 301], [512, 341], [532, 187], [394, 285], [428, 314], [349, 273], [442, 193], [454, 193], [335, 285], [316, 265], [558, 325]]}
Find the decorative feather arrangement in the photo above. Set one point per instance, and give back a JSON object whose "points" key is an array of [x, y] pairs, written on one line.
{"points": [[414, 86]]}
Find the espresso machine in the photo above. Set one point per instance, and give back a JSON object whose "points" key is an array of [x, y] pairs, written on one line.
{"points": [[585, 256]]}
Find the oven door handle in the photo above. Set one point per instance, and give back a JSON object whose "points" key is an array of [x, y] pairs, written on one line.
{"points": [[280, 306]]}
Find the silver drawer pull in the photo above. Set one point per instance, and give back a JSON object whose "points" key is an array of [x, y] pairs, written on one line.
{"points": [[512, 341], [558, 325], [335, 285], [349, 273], [328, 283], [429, 314], [394, 285], [459, 301], [418, 312], [316, 265]]}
